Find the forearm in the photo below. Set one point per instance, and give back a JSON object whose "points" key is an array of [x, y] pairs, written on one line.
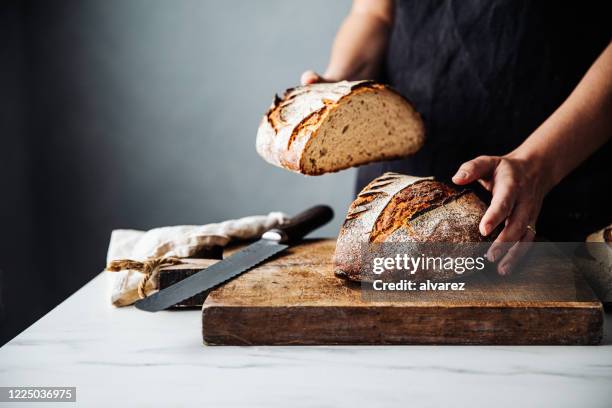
{"points": [[581, 125], [361, 42]]}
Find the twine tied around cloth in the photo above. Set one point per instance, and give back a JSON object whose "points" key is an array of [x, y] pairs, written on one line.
{"points": [[148, 268]]}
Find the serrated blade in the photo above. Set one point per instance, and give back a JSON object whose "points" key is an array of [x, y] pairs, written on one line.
{"points": [[212, 276]]}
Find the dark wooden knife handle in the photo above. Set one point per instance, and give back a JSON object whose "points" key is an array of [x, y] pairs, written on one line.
{"points": [[301, 224]]}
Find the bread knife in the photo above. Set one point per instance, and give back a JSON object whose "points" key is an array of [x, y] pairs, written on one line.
{"points": [[271, 243]]}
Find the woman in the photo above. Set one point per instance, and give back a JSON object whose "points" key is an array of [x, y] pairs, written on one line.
{"points": [[516, 95]]}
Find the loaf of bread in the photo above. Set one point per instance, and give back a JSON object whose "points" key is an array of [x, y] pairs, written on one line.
{"points": [[599, 245], [400, 208], [322, 128], [603, 235], [597, 268]]}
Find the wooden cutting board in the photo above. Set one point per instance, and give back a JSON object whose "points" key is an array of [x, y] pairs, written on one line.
{"points": [[296, 299]]}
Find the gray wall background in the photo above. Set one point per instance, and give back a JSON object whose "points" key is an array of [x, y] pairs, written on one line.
{"points": [[137, 114]]}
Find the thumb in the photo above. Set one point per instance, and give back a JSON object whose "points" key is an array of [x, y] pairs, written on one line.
{"points": [[475, 169], [311, 77]]}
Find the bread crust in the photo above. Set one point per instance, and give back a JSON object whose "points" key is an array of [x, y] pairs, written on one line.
{"points": [[293, 120], [603, 235], [452, 217], [603, 253]]}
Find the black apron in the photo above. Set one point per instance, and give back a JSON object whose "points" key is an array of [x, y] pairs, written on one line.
{"points": [[485, 74]]}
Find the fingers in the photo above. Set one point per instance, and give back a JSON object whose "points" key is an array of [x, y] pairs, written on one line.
{"points": [[507, 249], [487, 184], [310, 77], [516, 200], [515, 254], [505, 192], [516, 226], [473, 170]]}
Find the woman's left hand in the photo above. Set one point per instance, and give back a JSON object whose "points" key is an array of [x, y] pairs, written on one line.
{"points": [[520, 180], [518, 186]]}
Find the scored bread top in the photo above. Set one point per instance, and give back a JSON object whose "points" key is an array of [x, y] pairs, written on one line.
{"points": [[292, 121], [400, 208]]}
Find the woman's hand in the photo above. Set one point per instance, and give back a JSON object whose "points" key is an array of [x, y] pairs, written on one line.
{"points": [[360, 44], [311, 77], [520, 180], [518, 186]]}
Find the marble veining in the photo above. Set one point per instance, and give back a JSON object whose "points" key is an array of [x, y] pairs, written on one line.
{"points": [[158, 359]]}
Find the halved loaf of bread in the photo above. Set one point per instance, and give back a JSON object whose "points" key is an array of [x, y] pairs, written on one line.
{"points": [[323, 128], [400, 208]]}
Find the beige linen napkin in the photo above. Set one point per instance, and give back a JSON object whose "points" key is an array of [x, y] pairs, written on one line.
{"points": [[181, 241]]}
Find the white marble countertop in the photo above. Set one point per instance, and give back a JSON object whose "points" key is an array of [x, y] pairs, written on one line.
{"points": [[142, 359]]}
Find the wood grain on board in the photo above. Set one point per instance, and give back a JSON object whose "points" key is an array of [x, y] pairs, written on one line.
{"points": [[296, 299]]}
